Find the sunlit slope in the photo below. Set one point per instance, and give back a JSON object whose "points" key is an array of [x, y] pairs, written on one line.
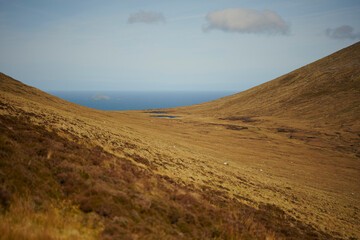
{"points": [[22, 92], [327, 89]]}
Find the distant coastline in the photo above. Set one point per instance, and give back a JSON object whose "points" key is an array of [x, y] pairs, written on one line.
{"points": [[132, 100]]}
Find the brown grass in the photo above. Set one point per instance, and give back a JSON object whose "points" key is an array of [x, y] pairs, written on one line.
{"points": [[286, 177], [130, 201], [23, 220]]}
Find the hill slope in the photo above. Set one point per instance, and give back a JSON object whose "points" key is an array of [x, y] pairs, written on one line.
{"points": [[326, 90]]}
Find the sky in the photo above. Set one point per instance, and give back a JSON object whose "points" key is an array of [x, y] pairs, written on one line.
{"points": [[162, 45]]}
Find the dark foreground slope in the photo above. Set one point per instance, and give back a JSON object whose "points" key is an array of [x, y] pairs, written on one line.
{"points": [[327, 90]]}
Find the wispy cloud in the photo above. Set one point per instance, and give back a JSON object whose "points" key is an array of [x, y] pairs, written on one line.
{"points": [[246, 21], [342, 32], [146, 17]]}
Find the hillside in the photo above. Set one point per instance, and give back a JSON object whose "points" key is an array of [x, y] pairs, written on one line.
{"points": [[327, 90], [279, 161]]}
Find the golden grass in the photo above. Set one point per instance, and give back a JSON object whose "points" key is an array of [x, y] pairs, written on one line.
{"points": [[130, 198], [61, 221]]}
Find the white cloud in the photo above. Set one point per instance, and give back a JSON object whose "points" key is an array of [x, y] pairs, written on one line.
{"points": [[246, 21], [343, 32], [100, 97], [146, 17]]}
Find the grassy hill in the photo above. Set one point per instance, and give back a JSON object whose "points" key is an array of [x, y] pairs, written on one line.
{"points": [[327, 90], [279, 161]]}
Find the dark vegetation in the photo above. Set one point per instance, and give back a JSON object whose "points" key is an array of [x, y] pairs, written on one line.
{"points": [[164, 116], [126, 194], [229, 126], [244, 119]]}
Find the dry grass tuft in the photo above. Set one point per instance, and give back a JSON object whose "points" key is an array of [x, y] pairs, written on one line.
{"points": [[24, 220]]}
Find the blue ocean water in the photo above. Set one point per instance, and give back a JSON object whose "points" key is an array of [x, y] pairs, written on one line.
{"points": [[117, 101]]}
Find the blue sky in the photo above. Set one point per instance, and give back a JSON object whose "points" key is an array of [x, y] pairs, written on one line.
{"points": [[208, 45]]}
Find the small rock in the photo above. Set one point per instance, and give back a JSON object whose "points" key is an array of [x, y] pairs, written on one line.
{"points": [[225, 163]]}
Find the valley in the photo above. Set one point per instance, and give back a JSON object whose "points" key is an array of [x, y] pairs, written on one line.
{"points": [[278, 161]]}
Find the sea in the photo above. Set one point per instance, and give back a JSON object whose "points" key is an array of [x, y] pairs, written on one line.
{"points": [[131, 100]]}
